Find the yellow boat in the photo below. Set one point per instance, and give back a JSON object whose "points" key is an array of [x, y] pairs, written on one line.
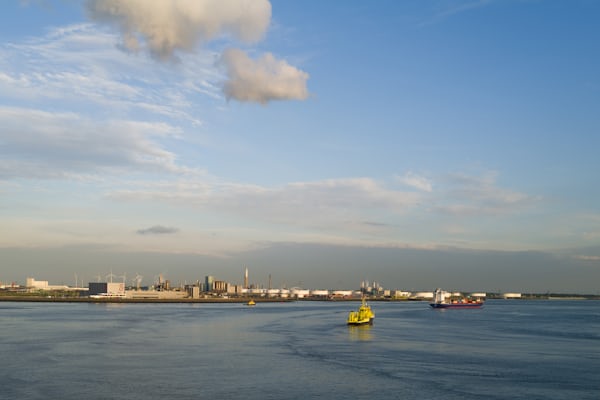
{"points": [[251, 303], [363, 316]]}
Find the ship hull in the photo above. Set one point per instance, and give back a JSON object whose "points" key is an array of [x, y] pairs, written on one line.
{"points": [[362, 322], [456, 305]]}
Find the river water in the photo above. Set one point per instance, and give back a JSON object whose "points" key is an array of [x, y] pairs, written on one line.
{"points": [[506, 350]]}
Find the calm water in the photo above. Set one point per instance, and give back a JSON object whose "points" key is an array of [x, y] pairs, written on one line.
{"points": [[506, 350]]}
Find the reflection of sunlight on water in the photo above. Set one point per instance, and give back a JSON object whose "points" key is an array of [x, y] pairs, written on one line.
{"points": [[360, 332]]}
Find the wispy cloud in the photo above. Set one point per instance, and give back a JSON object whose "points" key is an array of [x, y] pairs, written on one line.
{"points": [[447, 9], [309, 204], [79, 69], [479, 195], [352, 210], [587, 258], [40, 144], [157, 230], [72, 94], [416, 181]]}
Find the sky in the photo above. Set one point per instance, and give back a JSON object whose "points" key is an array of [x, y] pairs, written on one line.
{"points": [[418, 144]]}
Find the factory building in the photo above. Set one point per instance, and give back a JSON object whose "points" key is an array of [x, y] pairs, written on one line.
{"points": [[234, 289], [220, 287], [209, 281], [107, 289], [32, 284], [193, 292], [399, 294]]}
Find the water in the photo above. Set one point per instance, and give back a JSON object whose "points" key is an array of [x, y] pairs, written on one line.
{"points": [[506, 350]]}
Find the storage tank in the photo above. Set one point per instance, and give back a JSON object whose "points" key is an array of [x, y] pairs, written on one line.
{"points": [[300, 293], [342, 293], [256, 292], [423, 295]]}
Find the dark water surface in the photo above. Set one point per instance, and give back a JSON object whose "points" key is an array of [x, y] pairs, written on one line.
{"points": [[506, 350]]}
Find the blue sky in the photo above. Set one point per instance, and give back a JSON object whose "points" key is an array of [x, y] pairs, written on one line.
{"points": [[416, 143]]}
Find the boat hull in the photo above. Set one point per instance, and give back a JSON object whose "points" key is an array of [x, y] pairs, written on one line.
{"points": [[456, 305], [362, 322]]}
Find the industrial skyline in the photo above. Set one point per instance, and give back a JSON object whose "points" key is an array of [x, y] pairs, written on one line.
{"points": [[213, 286]]}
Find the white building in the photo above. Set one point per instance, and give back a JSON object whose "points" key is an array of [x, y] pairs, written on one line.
{"points": [[399, 294], [31, 283]]}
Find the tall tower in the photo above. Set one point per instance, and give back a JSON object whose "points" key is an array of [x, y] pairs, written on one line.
{"points": [[246, 279], [209, 281]]}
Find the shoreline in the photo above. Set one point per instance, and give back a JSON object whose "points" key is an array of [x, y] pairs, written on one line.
{"points": [[39, 299], [236, 300], [242, 300]]}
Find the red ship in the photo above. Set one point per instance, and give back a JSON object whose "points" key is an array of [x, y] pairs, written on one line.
{"points": [[439, 301]]}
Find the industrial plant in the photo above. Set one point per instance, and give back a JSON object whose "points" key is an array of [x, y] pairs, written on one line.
{"points": [[117, 288]]}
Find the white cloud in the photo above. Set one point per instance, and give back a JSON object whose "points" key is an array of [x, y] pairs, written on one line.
{"points": [[262, 80], [168, 28], [164, 27]]}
